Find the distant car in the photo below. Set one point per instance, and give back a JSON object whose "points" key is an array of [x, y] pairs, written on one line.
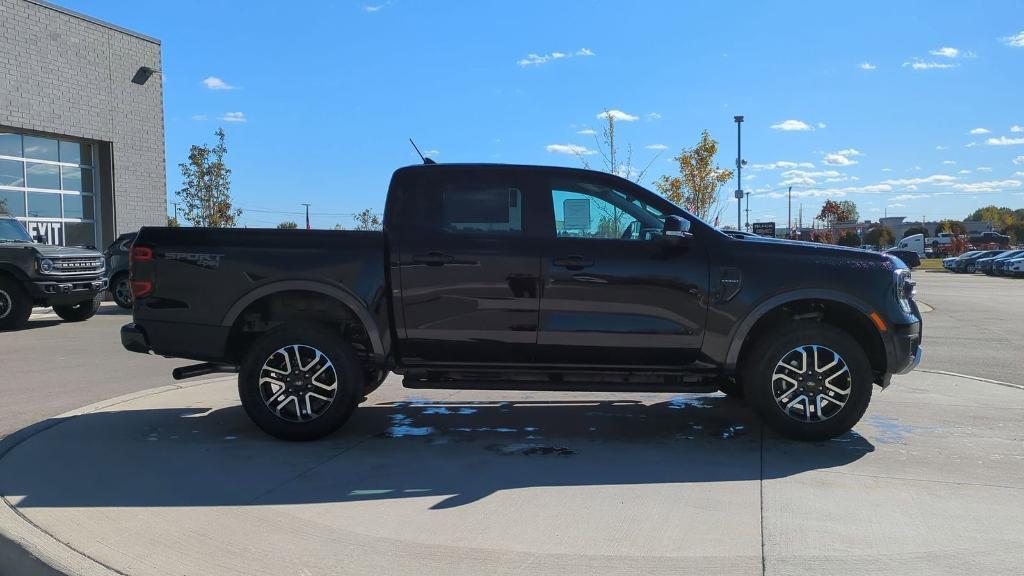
{"points": [[909, 257], [998, 264], [117, 269], [1014, 267], [949, 263], [968, 262], [990, 238]]}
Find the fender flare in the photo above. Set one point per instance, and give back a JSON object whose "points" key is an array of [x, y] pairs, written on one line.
{"points": [[338, 293], [748, 322]]}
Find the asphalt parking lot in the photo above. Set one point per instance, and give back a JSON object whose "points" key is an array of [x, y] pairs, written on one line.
{"points": [[177, 480]]}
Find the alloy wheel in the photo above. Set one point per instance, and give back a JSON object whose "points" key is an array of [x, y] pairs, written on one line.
{"points": [[298, 383], [123, 292], [811, 383], [6, 305]]}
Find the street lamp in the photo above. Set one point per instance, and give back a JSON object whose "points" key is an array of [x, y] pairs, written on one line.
{"points": [[739, 174]]}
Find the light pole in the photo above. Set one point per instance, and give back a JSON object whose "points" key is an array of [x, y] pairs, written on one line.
{"points": [[739, 173], [306, 204], [789, 215]]}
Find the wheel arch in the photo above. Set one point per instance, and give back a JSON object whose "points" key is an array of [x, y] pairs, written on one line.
{"points": [[339, 294], [842, 310]]}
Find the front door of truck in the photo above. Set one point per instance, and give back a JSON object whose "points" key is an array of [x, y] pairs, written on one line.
{"points": [[614, 291], [469, 272]]}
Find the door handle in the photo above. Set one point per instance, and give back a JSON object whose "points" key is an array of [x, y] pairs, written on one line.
{"points": [[432, 259], [574, 262]]}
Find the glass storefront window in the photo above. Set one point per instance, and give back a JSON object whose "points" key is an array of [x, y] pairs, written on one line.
{"points": [[10, 144], [76, 179], [80, 234], [46, 176], [12, 202], [12, 173], [75, 152], [43, 205], [78, 206], [38, 148]]}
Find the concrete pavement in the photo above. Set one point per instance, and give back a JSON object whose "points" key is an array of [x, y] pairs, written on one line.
{"points": [[180, 482]]}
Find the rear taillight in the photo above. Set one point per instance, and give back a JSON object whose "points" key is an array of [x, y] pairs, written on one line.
{"points": [[141, 288], [141, 254]]}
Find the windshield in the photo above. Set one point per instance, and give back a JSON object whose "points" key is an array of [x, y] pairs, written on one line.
{"points": [[13, 231]]}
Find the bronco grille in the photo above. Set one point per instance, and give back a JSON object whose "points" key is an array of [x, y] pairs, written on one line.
{"points": [[77, 265]]}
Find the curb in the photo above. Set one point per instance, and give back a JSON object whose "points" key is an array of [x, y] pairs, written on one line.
{"points": [[975, 378], [25, 548]]}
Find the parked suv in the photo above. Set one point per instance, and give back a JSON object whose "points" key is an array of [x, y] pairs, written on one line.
{"points": [[70, 280], [968, 262], [117, 269]]}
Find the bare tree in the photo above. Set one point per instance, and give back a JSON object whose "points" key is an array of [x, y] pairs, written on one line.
{"points": [[367, 220]]}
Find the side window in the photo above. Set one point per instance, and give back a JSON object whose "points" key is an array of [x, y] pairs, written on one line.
{"points": [[587, 210], [490, 208]]}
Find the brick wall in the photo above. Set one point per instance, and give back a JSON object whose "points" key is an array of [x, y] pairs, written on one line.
{"points": [[68, 75]]}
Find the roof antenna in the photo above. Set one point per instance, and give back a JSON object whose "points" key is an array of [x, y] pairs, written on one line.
{"points": [[422, 157]]}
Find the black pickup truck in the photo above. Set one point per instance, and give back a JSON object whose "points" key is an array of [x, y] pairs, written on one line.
{"points": [[69, 279], [525, 278]]}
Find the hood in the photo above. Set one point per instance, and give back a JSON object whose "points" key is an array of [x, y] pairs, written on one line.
{"points": [[828, 254], [48, 251]]}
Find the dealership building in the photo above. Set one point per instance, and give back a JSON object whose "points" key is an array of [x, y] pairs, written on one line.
{"points": [[81, 125]]}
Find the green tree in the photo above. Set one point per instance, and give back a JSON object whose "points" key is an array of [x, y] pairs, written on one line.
{"points": [[916, 230], [849, 238], [699, 182], [289, 225], [367, 220], [997, 217], [206, 186], [1015, 232], [880, 236], [848, 210]]}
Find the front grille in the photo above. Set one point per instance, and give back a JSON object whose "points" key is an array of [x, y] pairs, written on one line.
{"points": [[77, 265]]}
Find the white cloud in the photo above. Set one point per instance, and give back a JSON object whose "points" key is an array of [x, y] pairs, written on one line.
{"points": [[587, 132], [781, 164], [573, 149], [214, 83], [945, 51], [372, 8], [1017, 40], [984, 168], [979, 131], [886, 169], [842, 157], [791, 126], [199, 117], [818, 174], [1016, 128], [949, 162], [989, 186], [651, 116], [834, 192], [534, 59], [919, 64], [822, 125], [1018, 160], [1018, 173], [656, 147], [934, 180], [233, 117], [896, 205], [867, 66], [617, 115], [1004, 141], [941, 147], [964, 171], [970, 145], [910, 197]]}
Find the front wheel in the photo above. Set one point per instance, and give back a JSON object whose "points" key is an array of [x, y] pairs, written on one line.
{"points": [[970, 269], [78, 312], [300, 382], [808, 381], [15, 305]]}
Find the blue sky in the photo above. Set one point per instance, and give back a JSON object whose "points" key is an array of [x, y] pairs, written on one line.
{"points": [[872, 101]]}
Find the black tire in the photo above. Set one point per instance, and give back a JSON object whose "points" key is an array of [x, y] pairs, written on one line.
{"points": [[78, 312], [970, 269], [373, 380], [121, 290], [760, 383], [286, 423], [15, 304]]}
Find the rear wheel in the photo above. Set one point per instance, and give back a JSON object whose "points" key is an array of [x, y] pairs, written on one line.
{"points": [[808, 381], [15, 305], [121, 290], [300, 382], [78, 312], [970, 269]]}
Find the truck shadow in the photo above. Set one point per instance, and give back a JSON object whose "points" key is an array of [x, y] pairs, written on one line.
{"points": [[451, 453]]}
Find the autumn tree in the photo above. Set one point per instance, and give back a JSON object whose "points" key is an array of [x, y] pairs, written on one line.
{"points": [[950, 226], [172, 222], [697, 186], [206, 186], [849, 238], [997, 217], [289, 225], [880, 236], [367, 220]]}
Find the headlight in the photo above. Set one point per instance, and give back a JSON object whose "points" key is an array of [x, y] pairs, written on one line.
{"points": [[906, 289], [46, 265]]}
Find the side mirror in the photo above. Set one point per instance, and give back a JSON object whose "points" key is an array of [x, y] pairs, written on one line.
{"points": [[676, 230]]}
